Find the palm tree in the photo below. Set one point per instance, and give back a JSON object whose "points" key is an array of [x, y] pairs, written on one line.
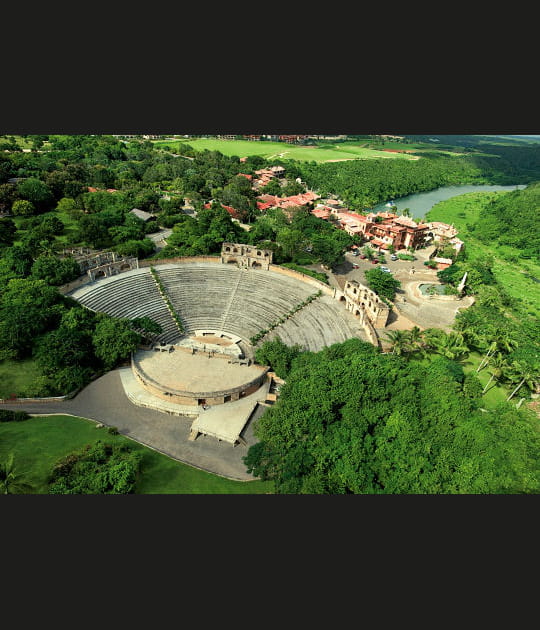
{"points": [[452, 346], [368, 251], [11, 481], [500, 341], [525, 374], [416, 339], [498, 368], [399, 341]]}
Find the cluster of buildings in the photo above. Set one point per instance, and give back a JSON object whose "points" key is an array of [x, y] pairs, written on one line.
{"points": [[385, 229], [272, 201], [265, 175], [380, 229]]}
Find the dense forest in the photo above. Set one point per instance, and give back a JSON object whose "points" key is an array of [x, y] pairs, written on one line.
{"points": [[512, 220], [364, 183], [342, 427]]}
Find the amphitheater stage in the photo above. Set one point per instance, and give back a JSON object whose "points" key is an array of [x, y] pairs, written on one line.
{"points": [[224, 422], [196, 378]]}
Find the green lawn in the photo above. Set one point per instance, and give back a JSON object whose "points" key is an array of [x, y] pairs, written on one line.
{"points": [[38, 443], [517, 278], [270, 150], [19, 378]]}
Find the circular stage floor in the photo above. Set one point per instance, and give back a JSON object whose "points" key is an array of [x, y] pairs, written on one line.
{"points": [[199, 374]]}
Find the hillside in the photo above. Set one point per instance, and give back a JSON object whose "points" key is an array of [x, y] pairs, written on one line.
{"points": [[512, 219]]}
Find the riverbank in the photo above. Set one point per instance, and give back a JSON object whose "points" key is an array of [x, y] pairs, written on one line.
{"points": [[420, 204]]}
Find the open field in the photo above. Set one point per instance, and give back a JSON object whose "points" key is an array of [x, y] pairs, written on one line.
{"points": [[270, 150], [417, 147], [38, 443], [520, 279]]}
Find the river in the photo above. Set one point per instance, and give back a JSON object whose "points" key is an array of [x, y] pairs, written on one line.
{"points": [[420, 204]]}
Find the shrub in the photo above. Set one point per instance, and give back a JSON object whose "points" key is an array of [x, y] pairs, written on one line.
{"points": [[7, 415]]}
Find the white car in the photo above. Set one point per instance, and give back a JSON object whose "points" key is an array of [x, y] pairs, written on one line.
{"points": [[383, 268]]}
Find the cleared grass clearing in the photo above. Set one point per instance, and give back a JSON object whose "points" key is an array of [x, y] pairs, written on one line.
{"points": [[281, 150], [39, 442]]}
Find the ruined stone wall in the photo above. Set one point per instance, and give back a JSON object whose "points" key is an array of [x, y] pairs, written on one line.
{"points": [[246, 256], [360, 298]]}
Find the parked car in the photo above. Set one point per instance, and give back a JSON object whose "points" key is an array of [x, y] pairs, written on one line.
{"points": [[356, 253], [383, 268], [363, 256], [393, 257], [374, 261]]}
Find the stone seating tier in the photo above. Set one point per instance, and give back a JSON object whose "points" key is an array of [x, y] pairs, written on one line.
{"points": [[222, 297]]}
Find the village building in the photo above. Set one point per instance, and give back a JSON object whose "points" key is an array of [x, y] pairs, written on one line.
{"points": [[385, 229], [235, 214], [303, 199], [142, 214], [292, 138]]}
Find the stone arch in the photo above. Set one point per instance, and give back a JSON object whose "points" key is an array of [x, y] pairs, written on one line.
{"points": [[255, 264], [101, 274], [231, 261]]}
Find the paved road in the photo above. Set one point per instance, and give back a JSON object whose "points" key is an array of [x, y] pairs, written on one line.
{"points": [[104, 401]]}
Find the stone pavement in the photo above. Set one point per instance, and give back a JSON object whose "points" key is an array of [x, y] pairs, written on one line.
{"points": [[104, 400]]}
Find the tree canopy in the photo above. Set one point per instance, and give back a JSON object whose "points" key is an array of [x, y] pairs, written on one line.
{"points": [[341, 425]]}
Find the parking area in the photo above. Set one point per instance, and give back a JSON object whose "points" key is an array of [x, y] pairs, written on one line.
{"points": [[354, 267]]}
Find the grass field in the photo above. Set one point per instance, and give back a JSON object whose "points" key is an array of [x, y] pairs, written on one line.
{"points": [[418, 147], [519, 279], [19, 378], [38, 443], [270, 150]]}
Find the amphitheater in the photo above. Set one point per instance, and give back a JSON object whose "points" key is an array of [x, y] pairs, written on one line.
{"points": [[192, 370]]}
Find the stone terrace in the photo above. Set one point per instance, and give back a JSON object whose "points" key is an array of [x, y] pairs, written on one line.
{"points": [[210, 296], [130, 294]]}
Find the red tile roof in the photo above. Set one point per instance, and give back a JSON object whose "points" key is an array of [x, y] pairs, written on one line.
{"points": [[321, 213], [245, 175]]}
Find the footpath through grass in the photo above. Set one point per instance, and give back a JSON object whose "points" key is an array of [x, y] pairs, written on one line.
{"points": [[39, 442], [520, 278]]}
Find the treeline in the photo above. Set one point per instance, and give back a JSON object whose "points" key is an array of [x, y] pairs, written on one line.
{"points": [[364, 183], [71, 344], [512, 219], [297, 237], [341, 426]]}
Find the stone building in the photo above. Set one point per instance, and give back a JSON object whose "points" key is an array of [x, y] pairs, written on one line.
{"points": [[364, 302], [246, 256]]}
